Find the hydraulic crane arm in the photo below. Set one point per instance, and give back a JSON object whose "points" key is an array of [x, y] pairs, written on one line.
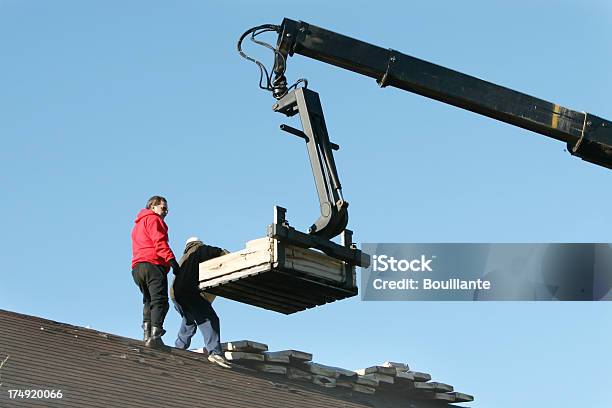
{"points": [[333, 207], [587, 136]]}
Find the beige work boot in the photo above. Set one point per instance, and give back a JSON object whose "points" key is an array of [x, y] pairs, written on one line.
{"points": [[219, 360]]}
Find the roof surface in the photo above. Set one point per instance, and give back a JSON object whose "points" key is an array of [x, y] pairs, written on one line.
{"points": [[96, 369]]}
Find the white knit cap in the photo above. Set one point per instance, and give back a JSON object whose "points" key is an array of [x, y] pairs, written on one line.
{"points": [[191, 239]]}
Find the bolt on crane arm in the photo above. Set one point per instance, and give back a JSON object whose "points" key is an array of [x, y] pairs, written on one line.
{"points": [[587, 136]]}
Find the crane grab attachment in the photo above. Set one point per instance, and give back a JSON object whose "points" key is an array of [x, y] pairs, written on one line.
{"points": [[305, 102]]}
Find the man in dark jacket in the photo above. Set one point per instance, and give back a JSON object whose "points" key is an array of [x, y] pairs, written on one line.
{"points": [[151, 262], [195, 307]]}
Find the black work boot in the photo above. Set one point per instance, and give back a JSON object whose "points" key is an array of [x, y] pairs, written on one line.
{"points": [[156, 337], [146, 326]]}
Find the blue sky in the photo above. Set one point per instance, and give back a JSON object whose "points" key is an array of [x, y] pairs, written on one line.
{"points": [[107, 103]]}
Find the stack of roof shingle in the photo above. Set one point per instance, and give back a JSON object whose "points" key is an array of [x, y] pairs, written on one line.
{"points": [[390, 377]]}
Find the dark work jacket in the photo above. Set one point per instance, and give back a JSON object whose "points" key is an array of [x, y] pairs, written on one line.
{"points": [[186, 284]]}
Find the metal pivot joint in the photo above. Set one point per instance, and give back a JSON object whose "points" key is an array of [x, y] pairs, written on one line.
{"points": [[289, 31], [334, 210]]}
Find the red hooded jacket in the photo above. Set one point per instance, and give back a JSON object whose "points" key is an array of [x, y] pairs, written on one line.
{"points": [[150, 239]]}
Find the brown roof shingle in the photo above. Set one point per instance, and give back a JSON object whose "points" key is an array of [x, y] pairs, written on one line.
{"points": [[96, 369]]}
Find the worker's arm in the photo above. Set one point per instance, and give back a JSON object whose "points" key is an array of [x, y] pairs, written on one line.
{"points": [[213, 252], [158, 232], [176, 268]]}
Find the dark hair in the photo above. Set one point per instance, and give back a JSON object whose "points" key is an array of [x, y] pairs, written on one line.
{"points": [[155, 200]]}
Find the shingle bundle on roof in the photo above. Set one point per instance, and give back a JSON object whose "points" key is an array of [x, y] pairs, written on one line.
{"points": [[389, 377]]}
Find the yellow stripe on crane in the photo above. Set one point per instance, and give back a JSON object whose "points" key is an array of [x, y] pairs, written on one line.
{"points": [[555, 116]]}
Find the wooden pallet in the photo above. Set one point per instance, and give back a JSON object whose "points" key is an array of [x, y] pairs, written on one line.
{"points": [[273, 275]]}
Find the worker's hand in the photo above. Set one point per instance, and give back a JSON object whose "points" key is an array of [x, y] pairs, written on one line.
{"points": [[176, 269]]}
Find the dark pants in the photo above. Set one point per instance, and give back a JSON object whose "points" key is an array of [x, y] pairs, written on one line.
{"points": [[198, 312], [153, 283]]}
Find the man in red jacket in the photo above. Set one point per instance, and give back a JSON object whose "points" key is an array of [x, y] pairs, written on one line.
{"points": [[151, 262]]}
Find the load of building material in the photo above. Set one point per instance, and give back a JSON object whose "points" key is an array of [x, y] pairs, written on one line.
{"points": [[274, 275], [389, 377]]}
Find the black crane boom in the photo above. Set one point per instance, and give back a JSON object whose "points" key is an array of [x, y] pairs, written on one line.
{"points": [[587, 136]]}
